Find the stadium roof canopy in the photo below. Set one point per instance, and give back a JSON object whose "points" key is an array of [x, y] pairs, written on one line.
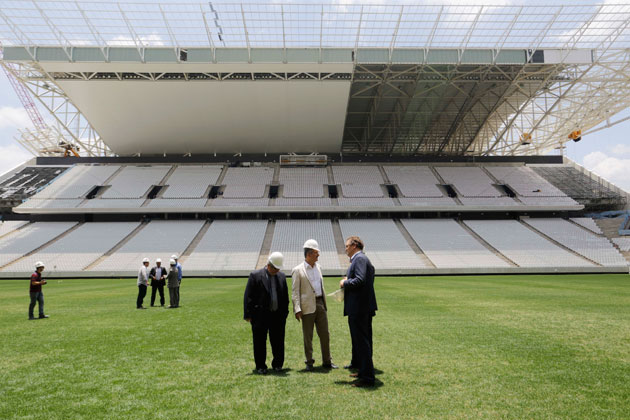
{"points": [[155, 78]]}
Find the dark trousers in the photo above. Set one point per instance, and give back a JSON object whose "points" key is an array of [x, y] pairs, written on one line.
{"points": [[156, 288], [35, 298], [361, 334], [142, 292], [173, 293], [272, 323]]}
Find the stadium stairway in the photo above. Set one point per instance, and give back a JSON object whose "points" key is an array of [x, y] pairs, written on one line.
{"points": [[497, 182], [265, 249], [610, 227], [193, 244], [486, 244], [117, 246], [412, 244], [558, 244], [14, 230], [340, 243], [162, 183], [44, 245]]}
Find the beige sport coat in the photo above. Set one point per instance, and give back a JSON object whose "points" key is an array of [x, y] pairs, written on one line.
{"points": [[302, 293]]}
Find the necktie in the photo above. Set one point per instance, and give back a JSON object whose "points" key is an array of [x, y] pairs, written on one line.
{"points": [[274, 294]]}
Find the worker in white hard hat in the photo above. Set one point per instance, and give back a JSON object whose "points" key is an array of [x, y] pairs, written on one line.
{"points": [[172, 282], [143, 282], [35, 291], [158, 281], [178, 266], [309, 304], [266, 307]]}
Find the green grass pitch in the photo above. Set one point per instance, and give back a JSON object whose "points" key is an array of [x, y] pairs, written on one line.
{"points": [[469, 347]]}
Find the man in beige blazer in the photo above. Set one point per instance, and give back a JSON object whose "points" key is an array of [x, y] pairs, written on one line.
{"points": [[309, 304]]}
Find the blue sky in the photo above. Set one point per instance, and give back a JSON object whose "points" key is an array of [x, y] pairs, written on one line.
{"points": [[606, 152]]}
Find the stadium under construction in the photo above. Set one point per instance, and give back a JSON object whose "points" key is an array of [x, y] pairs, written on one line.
{"points": [[222, 132]]}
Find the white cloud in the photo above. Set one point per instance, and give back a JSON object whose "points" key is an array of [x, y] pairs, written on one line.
{"points": [[613, 169], [621, 149], [12, 155], [14, 117]]}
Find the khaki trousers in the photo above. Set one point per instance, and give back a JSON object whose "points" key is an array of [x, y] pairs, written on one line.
{"points": [[319, 319]]}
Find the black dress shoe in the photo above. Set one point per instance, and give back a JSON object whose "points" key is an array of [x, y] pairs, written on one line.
{"points": [[43, 316], [141, 307], [330, 365], [31, 318], [309, 368], [277, 369], [261, 371]]}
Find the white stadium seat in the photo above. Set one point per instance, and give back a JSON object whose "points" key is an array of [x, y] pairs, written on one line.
{"points": [[228, 245], [523, 246], [191, 181], [595, 248], [29, 238], [359, 181], [135, 181], [384, 244], [303, 182], [448, 245], [290, 235], [158, 239], [247, 182], [78, 249]]}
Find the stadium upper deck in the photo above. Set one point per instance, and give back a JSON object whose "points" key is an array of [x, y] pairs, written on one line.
{"points": [[156, 78]]}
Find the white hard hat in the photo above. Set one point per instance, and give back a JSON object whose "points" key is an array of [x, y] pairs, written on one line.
{"points": [[39, 264], [276, 259], [146, 260], [172, 262], [312, 244], [174, 256], [159, 260]]}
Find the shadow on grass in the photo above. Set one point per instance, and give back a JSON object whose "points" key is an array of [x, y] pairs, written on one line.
{"points": [[377, 384], [316, 369], [271, 372]]}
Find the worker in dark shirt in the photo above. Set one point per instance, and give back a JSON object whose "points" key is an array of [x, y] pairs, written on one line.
{"points": [[36, 291]]}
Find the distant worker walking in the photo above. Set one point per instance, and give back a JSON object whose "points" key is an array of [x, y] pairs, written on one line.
{"points": [[266, 306], [173, 285], [157, 276], [143, 282], [35, 290], [309, 305]]}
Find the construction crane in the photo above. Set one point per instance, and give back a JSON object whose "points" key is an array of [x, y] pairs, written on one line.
{"points": [[65, 148]]}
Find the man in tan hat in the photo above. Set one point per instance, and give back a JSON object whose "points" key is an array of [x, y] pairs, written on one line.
{"points": [[309, 304]]}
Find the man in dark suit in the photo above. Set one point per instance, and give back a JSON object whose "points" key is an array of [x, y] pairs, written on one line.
{"points": [[266, 306], [158, 280], [360, 306]]}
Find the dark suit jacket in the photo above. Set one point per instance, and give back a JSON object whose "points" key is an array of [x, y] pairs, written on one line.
{"points": [[158, 281], [359, 297], [257, 299]]}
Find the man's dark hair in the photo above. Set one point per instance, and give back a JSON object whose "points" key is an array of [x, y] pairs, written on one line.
{"points": [[306, 251], [355, 240]]}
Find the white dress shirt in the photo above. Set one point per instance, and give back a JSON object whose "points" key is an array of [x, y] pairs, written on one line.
{"points": [[143, 276], [314, 278]]}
